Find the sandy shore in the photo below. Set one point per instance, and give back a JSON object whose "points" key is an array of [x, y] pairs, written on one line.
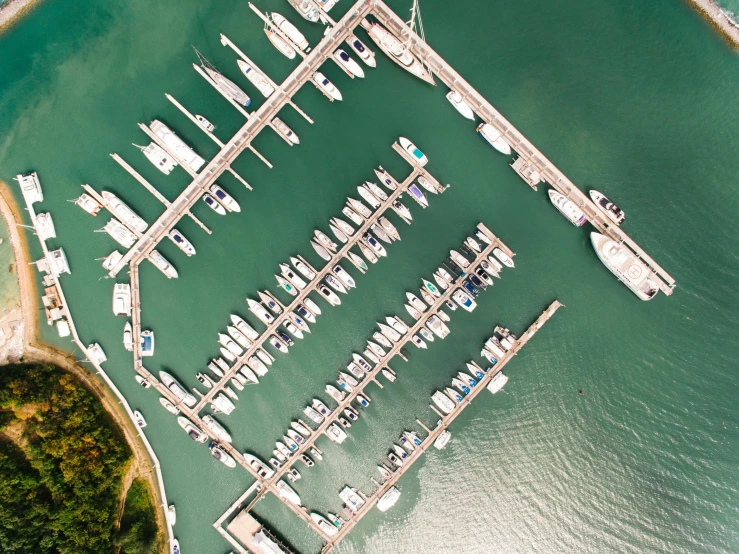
{"points": [[35, 351], [14, 10], [720, 21]]}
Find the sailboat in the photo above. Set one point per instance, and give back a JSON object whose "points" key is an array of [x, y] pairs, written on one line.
{"points": [[226, 86]]}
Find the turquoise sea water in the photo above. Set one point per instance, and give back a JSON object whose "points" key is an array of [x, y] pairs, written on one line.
{"points": [[635, 99]]}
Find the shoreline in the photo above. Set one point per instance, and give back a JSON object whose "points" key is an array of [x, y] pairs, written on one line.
{"points": [[14, 10], [35, 351], [712, 13]]}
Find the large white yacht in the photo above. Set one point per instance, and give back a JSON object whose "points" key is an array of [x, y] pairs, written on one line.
{"points": [[119, 209], [163, 265], [629, 269], [177, 389], [290, 31], [177, 145], [306, 9], [228, 87], [256, 78], [122, 299], [568, 208], [45, 226], [399, 52], [120, 233]]}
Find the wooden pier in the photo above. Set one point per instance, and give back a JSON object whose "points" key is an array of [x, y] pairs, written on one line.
{"points": [[533, 160], [243, 138]]}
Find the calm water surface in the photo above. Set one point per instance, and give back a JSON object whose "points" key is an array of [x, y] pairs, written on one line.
{"points": [[637, 99]]}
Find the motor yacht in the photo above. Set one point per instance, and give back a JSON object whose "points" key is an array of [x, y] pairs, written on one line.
{"points": [[493, 137], [326, 86], [256, 78], [419, 157], [457, 100]]}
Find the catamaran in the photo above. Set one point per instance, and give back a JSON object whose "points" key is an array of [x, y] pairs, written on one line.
{"points": [[158, 157], [290, 31], [120, 233]]}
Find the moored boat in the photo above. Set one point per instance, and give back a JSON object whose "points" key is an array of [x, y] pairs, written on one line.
{"points": [[568, 208], [613, 212], [629, 269], [457, 100], [398, 52], [493, 137], [419, 157]]}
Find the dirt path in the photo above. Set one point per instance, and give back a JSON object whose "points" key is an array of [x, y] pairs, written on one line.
{"points": [[35, 351]]}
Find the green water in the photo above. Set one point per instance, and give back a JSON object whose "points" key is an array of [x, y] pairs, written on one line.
{"points": [[633, 98]]}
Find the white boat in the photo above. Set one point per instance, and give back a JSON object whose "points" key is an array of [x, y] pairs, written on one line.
{"points": [[388, 499], [278, 343], [473, 244], [503, 257], [377, 349], [147, 343], [613, 212], [138, 418], [122, 299], [437, 326], [30, 187], [418, 341], [45, 226], [285, 491], [415, 314], [360, 208], [326, 86], [299, 322], [303, 311], [385, 178], [568, 208], [382, 339], [224, 198], [306, 271], [456, 100], [260, 311], [306, 9], [358, 262], [371, 241], [361, 50], [313, 414], [210, 423], [431, 288], [323, 239], [443, 402], [443, 284], [194, 432], [280, 43], [256, 78], [120, 233], [213, 204], [458, 259], [257, 366], [181, 242], [236, 383], [371, 355], [158, 157], [204, 123], [321, 250], [352, 499], [400, 209], [95, 353], [244, 327], [177, 389], [427, 297], [416, 302], [227, 86], [262, 469], [325, 525], [290, 275], [442, 440], [301, 428], [222, 404], [335, 284], [344, 276], [429, 186], [497, 382], [354, 216], [389, 228], [388, 375], [629, 269], [418, 195], [249, 374], [312, 306], [399, 52], [128, 336], [339, 234], [221, 455], [464, 300], [347, 229], [335, 393], [336, 433], [182, 151], [367, 252], [493, 137], [163, 265], [290, 31], [89, 204], [376, 190], [389, 332], [285, 131], [111, 260], [397, 324], [361, 362], [291, 327], [370, 198], [346, 61], [172, 514]]}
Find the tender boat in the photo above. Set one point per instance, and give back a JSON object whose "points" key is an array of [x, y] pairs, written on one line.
{"points": [[193, 432], [493, 137], [280, 43], [456, 100], [224, 198], [568, 208], [285, 131], [443, 402], [256, 78], [177, 389], [360, 208], [181, 242], [290, 31], [364, 53], [414, 152], [503, 257], [320, 250], [613, 212], [351, 214], [204, 123], [629, 269], [213, 204], [306, 271], [399, 52], [326, 86]]}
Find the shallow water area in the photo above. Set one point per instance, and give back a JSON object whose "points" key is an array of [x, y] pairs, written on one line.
{"points": [[636, 100]]}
